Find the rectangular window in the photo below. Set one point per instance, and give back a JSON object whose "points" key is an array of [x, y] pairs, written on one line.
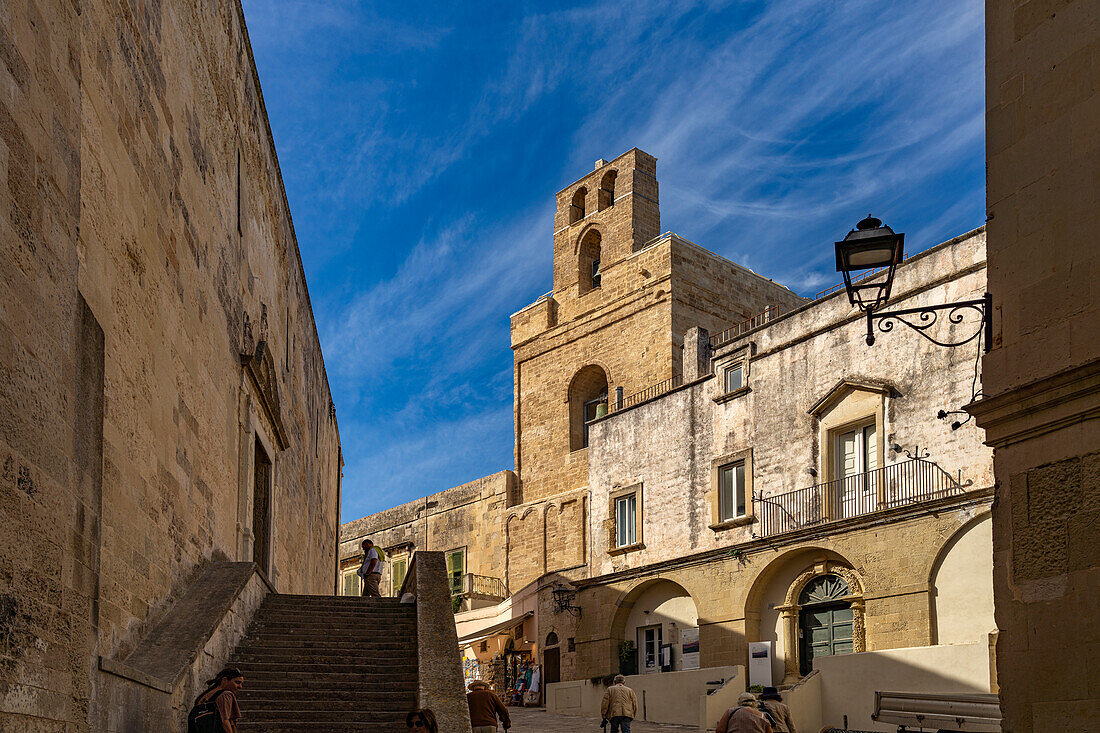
{"points": [[735, 377], [731, 491], [397, 574], [456, 566], [351, 584], [626, 515]]}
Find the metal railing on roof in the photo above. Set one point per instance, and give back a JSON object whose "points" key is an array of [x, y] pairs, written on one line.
{"points": [[724, 337]]}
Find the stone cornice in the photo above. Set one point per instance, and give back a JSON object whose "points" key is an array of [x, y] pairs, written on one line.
{"points": [[1040, 407]]}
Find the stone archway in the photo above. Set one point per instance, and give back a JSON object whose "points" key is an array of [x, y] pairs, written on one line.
{"points": [[660, 605], [790, 612]]}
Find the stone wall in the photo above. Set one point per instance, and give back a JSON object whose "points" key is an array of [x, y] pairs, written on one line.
{"points": [[137, 278], [467, 517], [1043, 378], [806, 373], [791, 365]]}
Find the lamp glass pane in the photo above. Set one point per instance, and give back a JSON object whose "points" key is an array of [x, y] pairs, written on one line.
{"points": [[868, 258]]}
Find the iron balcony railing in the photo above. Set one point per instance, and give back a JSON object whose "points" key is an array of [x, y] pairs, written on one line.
{"points": [[900, 484], [480, 585]]}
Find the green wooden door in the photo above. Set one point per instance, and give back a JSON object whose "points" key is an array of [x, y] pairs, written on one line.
{"points": [[825, 621], [826, 630]]}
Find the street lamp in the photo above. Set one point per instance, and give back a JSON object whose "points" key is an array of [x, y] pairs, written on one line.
{"points": [[869, 254], [868, 257]]}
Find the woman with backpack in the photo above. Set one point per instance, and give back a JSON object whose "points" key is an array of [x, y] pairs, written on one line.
{"points": [[216, 710]]}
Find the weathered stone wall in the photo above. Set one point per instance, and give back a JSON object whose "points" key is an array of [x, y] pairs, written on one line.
{"points": [[806, 372], [791, 364], [469, 516], [1042, 397], [730, 591], [134, 284]]}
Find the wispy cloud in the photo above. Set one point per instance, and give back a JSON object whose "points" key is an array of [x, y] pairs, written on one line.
{"points": [[422, 147]]}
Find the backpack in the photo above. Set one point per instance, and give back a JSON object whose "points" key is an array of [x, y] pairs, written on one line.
{"points": [[768, 716], [204, 717]]}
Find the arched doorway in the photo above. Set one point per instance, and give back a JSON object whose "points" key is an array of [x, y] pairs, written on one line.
{"points": [[551, 659], [825, 620]]}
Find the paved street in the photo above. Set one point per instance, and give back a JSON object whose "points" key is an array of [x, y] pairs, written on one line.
{"points": [[537, 719]]}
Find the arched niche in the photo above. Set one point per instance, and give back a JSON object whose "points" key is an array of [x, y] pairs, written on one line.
{"points": [[652, 613], [961, 583]]}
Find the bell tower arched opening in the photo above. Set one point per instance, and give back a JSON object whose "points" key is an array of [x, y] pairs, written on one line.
{"points": [[587, 401]]}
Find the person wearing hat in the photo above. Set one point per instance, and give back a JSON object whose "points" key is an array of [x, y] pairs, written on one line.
{"points": [[744, 718], [485, 708], [781, 714]]}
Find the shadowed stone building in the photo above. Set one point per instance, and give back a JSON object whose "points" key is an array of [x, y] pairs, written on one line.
{"points": [[708, 465], [1041, 403], [165, 418]]}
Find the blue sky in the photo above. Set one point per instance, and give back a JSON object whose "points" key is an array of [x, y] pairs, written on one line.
{"points": [[422, 145]]}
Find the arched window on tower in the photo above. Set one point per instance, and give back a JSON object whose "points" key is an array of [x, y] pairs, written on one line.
{"points": [[587, 401], [576, 210], [588, 276], [606, 195]]}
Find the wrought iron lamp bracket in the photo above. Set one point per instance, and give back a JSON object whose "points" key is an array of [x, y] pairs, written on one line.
{"points": [[923, 318], [563, 600]]}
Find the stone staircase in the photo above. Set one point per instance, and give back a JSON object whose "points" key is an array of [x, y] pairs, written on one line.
{"points": [[328, 663]]}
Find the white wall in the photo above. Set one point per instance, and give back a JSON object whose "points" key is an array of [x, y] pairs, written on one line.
{"points": [[669, 605], [962, 586], [671, 697], [849, 682]]}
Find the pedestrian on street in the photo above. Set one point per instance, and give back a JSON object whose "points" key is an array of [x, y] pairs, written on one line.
{"points": [[421, 721], [744, 718], [771, 701], [216, 710], [485, 708], [371, 570], [620, 705]]}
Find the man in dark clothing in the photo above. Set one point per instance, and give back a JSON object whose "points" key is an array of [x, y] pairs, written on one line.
{"points": [[485, 708], [771, 701]]}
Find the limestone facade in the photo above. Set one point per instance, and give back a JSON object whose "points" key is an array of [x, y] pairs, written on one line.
{"points": [[1041, 399], [902, 539], [910, 537], [164, 399], [614, 321]]}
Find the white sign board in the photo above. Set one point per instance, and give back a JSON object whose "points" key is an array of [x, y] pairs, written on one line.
{"points": [[689, 648], [760, 663]]}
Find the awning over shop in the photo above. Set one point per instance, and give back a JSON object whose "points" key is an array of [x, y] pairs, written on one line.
{"points": [[494, 630]]}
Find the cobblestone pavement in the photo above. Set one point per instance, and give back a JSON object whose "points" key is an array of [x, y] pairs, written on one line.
{"points": [[537, 719]]}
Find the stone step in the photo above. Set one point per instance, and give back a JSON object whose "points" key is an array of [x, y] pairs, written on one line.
{"points": [[275, 642], [294, 660], [256, 696], [390, 701], [322, 674], [325, 716], [342, 626], [333, 601], [378, 724]]}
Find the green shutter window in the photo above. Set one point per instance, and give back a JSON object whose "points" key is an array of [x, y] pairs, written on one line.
{"points": [[398, 569], [351, 584], [456, 566]]}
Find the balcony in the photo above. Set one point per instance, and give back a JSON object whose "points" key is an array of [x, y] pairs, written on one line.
{"points": [[901, 484], [478, 587]]}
